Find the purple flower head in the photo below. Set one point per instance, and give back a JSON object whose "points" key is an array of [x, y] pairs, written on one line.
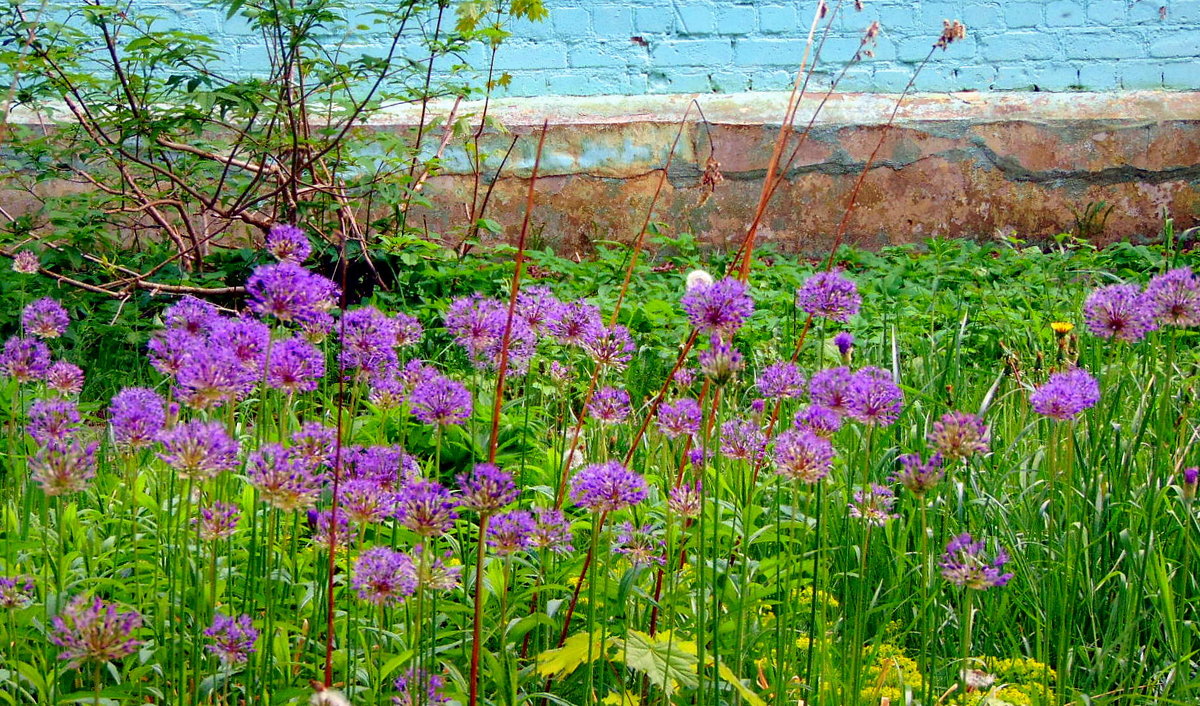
{"points": [[1174, 297], [874, 505], [782, 380], [62, 467], [720, 361], [314, 443], [488, 489], [1191, 477], [295, 366], [684, 377], [718, 308], [53, 420], [434, 573], [93, 631], [366, 501], [193, 316], [408, 330], [387, 392], [232, 639], [611, 346], [245, 338], [1119, 311], [368, 341], [680, 418], [218, 522], [559, 372], [15, 592], [802, 456], [284, 480], [414, 373], [170, 350], [1066, 394], [211, 376], [440, 401], [45, 318], [964, 564], [607, 487], [511, 532], [873, 398], [576, 323], [389, 466], [696, 457], [25, 359], [288, 292], [684, 500], [844, 342], [330, 529], [477, 324], [419, 688], [552, 532], [65, 378], [917, 476], [830, 388], [198, 449], [384, 576], [425, 507], [642, 546], [610, 405], [829, 295], [820, 420], [743, 439], [538, 307], [288, 243], [959, 435], [26, 262]]}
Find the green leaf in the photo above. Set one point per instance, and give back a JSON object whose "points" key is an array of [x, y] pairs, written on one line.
{"points": [[668, 662], [576, 651]]}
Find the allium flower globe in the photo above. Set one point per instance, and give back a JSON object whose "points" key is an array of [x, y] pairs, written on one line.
{"points": [[718, 308], [964, 564], [829, 295], [94, 631], [1119, 311], [1066, 394], [607, 487]]}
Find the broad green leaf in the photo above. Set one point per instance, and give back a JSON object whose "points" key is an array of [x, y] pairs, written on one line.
{"points": [[574, 652]]}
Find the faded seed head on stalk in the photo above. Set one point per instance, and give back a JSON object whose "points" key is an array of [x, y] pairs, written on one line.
{"points": [[951, 32]]}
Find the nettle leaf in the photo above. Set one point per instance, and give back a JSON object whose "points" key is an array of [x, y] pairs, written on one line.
{"points": [[666, 661], [576, 651]]}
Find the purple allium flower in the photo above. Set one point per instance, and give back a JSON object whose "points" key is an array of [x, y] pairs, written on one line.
{"points": [[314, 443], [830, 388], [611, 346], [718, 308], [802, 456], [1119, 311], [137, 415], [191, 315], [295, 366], [576, 323], [289, 292], [211, 376], [844, 342], [487, 489], [52, 420], [288, 243], [642, 545], [441, 401], [284, 480], [477, 324], [680, 418], [818, 419], [434, 573], [25, 359], [607, 487], [63, 467], [425, 507], [389, 466], [368, 341], [697, 456], [538, 307], [387, 392], [553, 531], [26, 263], [560, 372], [610, 405], [198, 449], [917, 476], [684, 500], [1066, 394], [742, 439], [782, 380], [873, 398], [1174, 297], [171, 349], [245, 338], [408, 330], [15, 591], [366, 501], [874, 505], [329, 529], [414, 373], [964, 564], [64, 378], [684, 377], [384, 576], [829, 295], [218, 522], [45, 318], [232, 639], [720, 361], [93, 631], [1191, 477], [959, 435], [419, 688], [511, 532]]}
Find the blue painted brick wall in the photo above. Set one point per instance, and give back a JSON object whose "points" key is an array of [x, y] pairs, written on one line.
{"points": [[589, 47]]}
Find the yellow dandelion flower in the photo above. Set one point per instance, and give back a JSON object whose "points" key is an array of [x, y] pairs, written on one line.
{"points": [[1062, 328]]}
